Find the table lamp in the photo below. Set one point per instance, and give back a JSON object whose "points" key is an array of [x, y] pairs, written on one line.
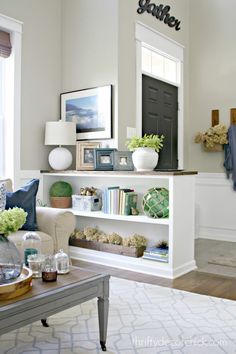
{"points": [[60, 133]]}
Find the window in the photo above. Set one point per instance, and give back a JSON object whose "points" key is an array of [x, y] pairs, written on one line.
{"points": [[10, 83], [160, 65], [2, 100]]}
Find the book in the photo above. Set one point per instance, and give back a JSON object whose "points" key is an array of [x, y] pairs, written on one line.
{"points": [[155, 258], [156, 250], [131, 199], [156, 255]]}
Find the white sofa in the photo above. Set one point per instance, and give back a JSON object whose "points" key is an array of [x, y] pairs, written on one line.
{"points": [[54, 228]]}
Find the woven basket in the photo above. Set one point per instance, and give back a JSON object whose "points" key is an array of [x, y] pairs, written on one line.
{"points": [[215, 148], [61, 202]]}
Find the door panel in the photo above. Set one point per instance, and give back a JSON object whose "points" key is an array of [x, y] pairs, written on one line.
{"points": [[160, 116]]}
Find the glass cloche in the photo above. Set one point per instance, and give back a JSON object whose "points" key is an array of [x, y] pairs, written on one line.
{"points": [[62, 262], [31, 245]]}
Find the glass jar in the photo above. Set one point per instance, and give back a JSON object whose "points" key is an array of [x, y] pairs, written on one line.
{"points": [[49, 272], [36, 264], [62, 262], [31, 245]]}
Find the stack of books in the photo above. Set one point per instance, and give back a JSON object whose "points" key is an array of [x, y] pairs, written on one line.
{"points": [[157, 254], [119, 201]]}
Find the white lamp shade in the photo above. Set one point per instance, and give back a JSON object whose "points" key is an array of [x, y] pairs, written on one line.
{"points": [[60, 133]]}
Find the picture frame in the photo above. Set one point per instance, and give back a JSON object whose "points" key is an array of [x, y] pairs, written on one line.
{"points": [[85, 155], [91, 110], [123, 161], [104, 159]]}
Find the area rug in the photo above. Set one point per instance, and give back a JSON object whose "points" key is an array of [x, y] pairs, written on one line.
{"points": [[224, 261], [143, 319], [216, 257]]}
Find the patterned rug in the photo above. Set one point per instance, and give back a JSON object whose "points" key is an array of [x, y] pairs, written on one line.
{"points": [[143, 319]]}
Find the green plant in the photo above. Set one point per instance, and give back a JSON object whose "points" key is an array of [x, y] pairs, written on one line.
{"points": [[214, 135], [60, 189], [12, 220], [151, 141], [162, 244]]}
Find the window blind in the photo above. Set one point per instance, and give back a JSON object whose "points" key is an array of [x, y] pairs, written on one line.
{"points": [[5, 44]]}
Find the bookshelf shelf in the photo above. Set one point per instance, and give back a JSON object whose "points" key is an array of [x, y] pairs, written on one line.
{"points": [[178, 229], [129, 218]]}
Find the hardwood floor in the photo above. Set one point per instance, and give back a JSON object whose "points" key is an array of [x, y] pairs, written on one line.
{"points": [[196, 282]]}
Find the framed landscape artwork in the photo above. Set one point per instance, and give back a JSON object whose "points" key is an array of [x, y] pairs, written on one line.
{"points": [[85, 155], [91, 110]]}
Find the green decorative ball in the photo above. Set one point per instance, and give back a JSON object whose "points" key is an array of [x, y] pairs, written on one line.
{"points": [[60, 189], [156, 203]]}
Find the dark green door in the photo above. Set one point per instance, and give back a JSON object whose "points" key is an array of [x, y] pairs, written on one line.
{"points": [[160, 116]]}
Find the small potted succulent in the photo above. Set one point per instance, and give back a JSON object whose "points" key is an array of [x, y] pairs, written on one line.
{"points": [[60, 195], [145, 151]]}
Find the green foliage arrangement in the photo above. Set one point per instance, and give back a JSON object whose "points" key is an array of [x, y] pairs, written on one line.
{"points": [[214, 135], [162, 244], [60, 189], [11, 220], [151, 141]]}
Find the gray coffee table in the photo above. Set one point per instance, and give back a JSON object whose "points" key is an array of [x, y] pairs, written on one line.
{"points": [[47, 299]]}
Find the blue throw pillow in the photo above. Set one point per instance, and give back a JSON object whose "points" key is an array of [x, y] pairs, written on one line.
{"points": [[25, 198]]}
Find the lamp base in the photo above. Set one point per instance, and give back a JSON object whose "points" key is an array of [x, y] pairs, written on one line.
{"points": [[60, 159]]}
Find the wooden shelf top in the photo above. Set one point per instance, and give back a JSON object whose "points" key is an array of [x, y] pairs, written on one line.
{"points": [[135, 174]]}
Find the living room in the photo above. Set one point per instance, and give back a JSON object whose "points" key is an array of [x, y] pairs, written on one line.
{"points": [[67, 46]]}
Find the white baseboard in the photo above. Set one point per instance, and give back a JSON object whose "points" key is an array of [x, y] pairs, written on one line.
{"points": [[218, 234], [185, 268]]}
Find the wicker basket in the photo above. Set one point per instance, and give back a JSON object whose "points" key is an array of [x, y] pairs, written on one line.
{"points": [[215, 148], [61, 202]]}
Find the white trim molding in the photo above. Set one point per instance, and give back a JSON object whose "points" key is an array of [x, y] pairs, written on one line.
{"points": [[215, 207], [14, 123], [147, 36]]}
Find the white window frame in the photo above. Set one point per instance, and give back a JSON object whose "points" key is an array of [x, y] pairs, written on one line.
{"points": [[13, 126], [148, 37]]}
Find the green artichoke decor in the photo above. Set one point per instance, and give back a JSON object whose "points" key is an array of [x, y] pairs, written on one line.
{"points": [[156, 203]]}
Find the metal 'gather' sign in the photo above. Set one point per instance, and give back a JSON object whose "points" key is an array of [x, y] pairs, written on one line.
{"points": [[161, 12]]}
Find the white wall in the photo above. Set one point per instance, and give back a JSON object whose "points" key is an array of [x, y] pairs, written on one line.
{"points": [[41, 73], [89, 46], [212, 73], [127, 58]]}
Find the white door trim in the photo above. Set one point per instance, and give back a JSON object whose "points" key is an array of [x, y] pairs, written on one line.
{"points": [[145, 35]]}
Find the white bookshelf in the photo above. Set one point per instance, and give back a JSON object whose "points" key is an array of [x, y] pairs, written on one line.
{"points": [[129, 218], [178, 229]]}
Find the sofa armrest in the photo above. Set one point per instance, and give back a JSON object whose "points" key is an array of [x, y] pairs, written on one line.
{"points": [[58, 223]]}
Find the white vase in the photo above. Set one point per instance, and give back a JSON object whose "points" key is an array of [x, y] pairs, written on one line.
{"points": [[145, 159]]}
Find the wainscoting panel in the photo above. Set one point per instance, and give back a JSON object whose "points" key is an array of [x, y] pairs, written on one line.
{"points": [[215, 207]]}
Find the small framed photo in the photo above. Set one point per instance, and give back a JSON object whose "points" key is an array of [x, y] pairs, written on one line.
{"points": [[85, 155], [104, 159], [123, 161], [91, 110]]}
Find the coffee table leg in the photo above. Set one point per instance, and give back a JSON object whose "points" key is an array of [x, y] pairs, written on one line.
{"points": [[44, 322], [103, 307]]}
